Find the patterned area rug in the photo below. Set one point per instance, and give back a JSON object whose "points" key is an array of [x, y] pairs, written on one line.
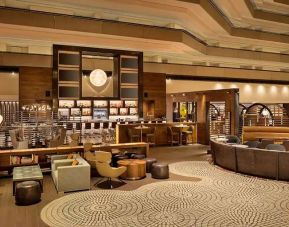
{"points": [[221, 198]]}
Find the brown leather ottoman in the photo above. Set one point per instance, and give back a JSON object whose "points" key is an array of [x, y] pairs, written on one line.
{"points": [[27, 193], [136, 169], [149, 163], [160, 171]]}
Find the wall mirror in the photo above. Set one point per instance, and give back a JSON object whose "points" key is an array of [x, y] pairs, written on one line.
{"points": [[100, 75]]}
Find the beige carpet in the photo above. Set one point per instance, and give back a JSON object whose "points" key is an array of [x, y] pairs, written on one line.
{"points": [[221, 198]]}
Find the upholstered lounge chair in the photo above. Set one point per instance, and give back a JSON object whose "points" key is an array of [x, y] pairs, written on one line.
{"points": [[67, 177]]}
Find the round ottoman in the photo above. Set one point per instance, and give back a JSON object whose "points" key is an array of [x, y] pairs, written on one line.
{"points": [[138, 156], [160, 171], [27, 193], [136, 169], [118, 157], [149, 163]]}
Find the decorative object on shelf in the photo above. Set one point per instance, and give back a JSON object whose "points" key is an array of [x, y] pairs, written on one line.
{"points": [[113, 111], [123, 111], [86, 112], [66, 103], [83, 103], [117, 103], [100, 103], [98, 77], [36, 107], [75, 112], [1, 119], [130, 103]]}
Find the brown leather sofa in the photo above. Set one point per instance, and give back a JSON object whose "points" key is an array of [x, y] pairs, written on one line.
{"points": [[252, 161]]}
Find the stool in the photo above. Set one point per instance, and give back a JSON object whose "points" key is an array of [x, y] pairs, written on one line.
{"points": [[129, 154], [160, 171], [137, 156], [149, 163], [27, 193], [118, 157]]}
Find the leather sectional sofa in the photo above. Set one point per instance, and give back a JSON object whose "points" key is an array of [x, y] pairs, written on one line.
{"points": [[252, 161]]}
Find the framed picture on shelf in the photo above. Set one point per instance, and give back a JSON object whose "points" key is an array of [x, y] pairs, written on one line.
{"points": [[66, 103], [100, 114], [100, 103], [86, 112], [113, 111], [130, 103], [75, 112], [83, 103], [116, 104], [123, 111]]}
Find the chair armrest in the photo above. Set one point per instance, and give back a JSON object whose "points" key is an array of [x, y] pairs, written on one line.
{"points": [[71, 178], [61, 163]]}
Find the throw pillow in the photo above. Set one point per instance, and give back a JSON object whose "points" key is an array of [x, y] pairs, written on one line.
{"points": [[75, 162], [70, 156]]}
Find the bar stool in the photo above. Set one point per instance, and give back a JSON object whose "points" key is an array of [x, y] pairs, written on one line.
{"points": [[151, 136], [133, 135], [187, 135], [111, 131], [173, 137], [97, 133], [87, 128]]}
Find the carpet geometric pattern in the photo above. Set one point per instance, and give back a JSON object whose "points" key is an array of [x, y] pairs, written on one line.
{"points": [[220, 198]]}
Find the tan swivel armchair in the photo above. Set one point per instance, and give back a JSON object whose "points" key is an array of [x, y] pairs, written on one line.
{"points": [[103, 160]]}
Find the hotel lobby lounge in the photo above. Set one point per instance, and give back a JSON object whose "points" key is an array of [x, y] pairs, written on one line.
{"points": [[144, 113]]}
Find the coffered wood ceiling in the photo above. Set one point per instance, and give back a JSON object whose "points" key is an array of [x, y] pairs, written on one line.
{"points": [[236, 32]]}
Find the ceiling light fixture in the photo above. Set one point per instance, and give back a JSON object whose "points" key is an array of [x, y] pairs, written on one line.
{"points": [[98, 77]]}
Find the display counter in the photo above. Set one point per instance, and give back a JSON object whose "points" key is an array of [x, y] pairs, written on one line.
{"points": [[161, 131]]}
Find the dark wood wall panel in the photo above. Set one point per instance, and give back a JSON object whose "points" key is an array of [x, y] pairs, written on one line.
{"points": [[154, 89], [34, 83]]}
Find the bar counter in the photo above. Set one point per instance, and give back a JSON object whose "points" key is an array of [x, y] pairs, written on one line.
{"points": [[161, 134]]}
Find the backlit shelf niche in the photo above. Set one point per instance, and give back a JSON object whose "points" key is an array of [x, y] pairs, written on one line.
{"points": [[68, 74]]}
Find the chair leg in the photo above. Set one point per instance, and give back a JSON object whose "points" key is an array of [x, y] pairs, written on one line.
{"points": [[121, 180], [109, 183], [100, 180]]}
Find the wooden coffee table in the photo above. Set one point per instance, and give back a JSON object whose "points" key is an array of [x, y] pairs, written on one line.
{"points": [[136, 169], [27, 173]]}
